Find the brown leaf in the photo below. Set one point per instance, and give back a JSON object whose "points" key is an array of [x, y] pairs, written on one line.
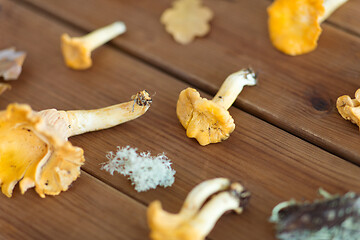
{"points": [[11, 63], [186, 20]]}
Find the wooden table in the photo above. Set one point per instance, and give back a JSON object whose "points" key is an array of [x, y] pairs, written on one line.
{"points": [[289, 138]]}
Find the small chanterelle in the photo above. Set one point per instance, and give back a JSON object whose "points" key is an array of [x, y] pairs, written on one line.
{"points": [[202, 208], [34, 146], [208, 120], [77, 50], [349, 108], [294, 25]]}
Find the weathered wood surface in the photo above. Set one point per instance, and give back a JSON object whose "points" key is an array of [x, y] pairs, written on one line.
{"points": [[90, 210], [297, 94], [274, 165], [347, 17]]}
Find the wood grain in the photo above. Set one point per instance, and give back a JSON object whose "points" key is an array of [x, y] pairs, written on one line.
{"points": [[274, 165], [297, 94], [89, 210], [347, 17]]}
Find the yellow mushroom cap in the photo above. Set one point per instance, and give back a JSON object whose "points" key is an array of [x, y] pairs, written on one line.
{"points": [[167, 226], [58, 172], [349, 108], [294, 26], [202, 208], [203, 119], [32, 152], [76, 54]]}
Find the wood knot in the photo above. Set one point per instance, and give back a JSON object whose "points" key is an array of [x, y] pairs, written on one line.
{"points": [[320, 104]]}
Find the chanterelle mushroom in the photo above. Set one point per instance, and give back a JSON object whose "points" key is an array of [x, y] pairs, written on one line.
{"points": [[349, 108], [77, 50], [294, 26], [34, 147], [208, 120], [334, 217], [195, 220]]}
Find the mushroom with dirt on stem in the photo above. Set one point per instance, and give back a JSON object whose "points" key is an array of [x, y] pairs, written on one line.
{"points": [[34, 146], [77, 50], [208, 120], [202, 208], [294, 26]]}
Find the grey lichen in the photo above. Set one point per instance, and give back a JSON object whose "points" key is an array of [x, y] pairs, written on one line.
{"points": [[332, 218], [145, 171]]}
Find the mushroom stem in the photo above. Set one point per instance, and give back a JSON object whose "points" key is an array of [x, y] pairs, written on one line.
{"points": [[82, 121], [201, 193], [233, 199], [330, 6], [103, 35], [233, 85], [71, 123]]}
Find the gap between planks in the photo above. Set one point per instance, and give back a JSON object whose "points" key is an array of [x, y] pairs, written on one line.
{"points": [[91, 175], [109, 184], [185, 77]]}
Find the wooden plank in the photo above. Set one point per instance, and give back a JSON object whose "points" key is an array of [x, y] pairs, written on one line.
{"points": [[297, 94], [347, 17], [273, 164], [89, 210]]}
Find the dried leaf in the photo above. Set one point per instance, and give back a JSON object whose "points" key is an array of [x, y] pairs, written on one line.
{"points": [[335, 217], [186, 20], [11, 63], [4, 87]]}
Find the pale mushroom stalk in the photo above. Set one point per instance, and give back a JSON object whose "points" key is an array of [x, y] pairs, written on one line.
{"points": [[196, 219], [98, 37], [34, 146], [232, 87], [206, 219], [77, 50], [208, 120], [200, 193], [330, 6], [81, 121]]}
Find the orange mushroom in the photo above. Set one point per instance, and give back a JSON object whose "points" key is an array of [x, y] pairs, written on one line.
{"points": [[197, 216], [208, 120], [34, 148], [349, 108], [77, 50], [294, 26]]}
